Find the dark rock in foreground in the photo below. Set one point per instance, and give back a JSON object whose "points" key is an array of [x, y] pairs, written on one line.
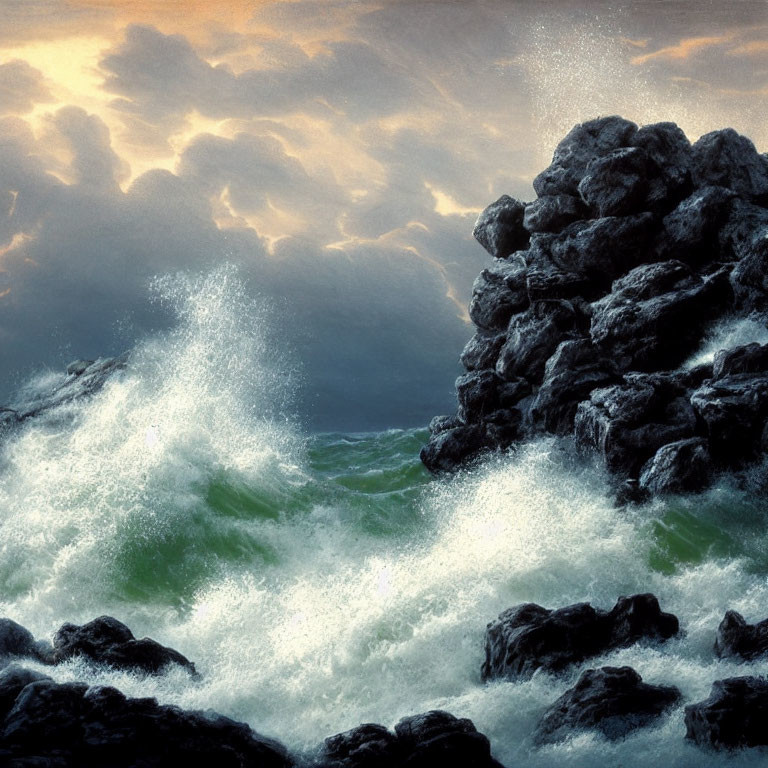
{"points": [[529, 637], [434, 738], [611, 700], [638, 243], [734, 716], [108, 641], [737, 639], [72, 725]]}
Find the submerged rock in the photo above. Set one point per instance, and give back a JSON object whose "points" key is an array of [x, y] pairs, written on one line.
{"points": [[681, 467], [528, 637], [611, 700], [733, 717], [108, 641]]}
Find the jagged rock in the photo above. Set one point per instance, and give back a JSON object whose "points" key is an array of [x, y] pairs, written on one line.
{"points": [[611, 700], [733, 409], [441, 423], [482, 351], [691, 230], [728, 159], [498, 293], [99, 726], [528, 637], [499, 228], [532, 338], [749, 358], [452, 448], [553, 212], [627, 423], [12, 680], [570, 375], [744, 228], [480, 393], [736, 638], [616, 184], [438, 738], [749, 278], [684, 466], [655, 315], [733, 717], [668, 147], [600, 249], [550, 283], [107, 641], [573, 154], [367, 746]]}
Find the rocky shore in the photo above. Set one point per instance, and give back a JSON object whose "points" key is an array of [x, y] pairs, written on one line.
{"points": [[600, 291]]}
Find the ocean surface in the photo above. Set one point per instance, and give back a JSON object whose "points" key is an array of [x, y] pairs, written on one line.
{"points": [[323, 580]]}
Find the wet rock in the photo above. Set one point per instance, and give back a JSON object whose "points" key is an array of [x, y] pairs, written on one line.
{"points": [[441, 423], [749, 358], [600, 249], [107, 641], [450, 449], [669, 149], [367, 746], [733, 409], [570, 375], [749, 278], [97, 726], [483, 392], [552, 283], [627, 423], [12, 680], [499, 228], [655, 315], [79, 367], [482, 351], [533, 336], [691, 230], [737, 639], [573, 154], [611, 700], [745, 224], [438, 738], [553, 212], [681, 467], [15, 640], [727, 159], [528, 637], [498, 293], [733, 717], [616, 184]]}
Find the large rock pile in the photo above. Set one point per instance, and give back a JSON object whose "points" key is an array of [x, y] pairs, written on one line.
{"points": [[601, 289]]}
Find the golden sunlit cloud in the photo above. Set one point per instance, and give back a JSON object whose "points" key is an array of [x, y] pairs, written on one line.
{"points": [[684, 48]]}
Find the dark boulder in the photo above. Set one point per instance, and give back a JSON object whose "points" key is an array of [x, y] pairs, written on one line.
{"points": [[733, 717], [727, 159], [480, 393], [749, 358], [498, 293], [438, 738], [690, 231], [600, 249], [684, 466], [548, 282], [482, 351], [553, 212], [627, 423], [616, 184], [570, 375], [441, 423], [450, 449], [737, 639], [655, 316], [97, 726], [499, 228], [749, 278], [528, 637], [733, 409], [107, 641], [12, 680], [573, 154], [611, 700], [744, 226], [533, 336], [16, 640], [367, 746]]}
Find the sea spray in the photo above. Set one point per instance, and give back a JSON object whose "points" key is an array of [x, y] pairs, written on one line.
{"points": [[319, 582]]}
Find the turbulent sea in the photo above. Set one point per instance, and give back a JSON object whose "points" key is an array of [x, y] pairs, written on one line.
{"points": [[323, 580]]}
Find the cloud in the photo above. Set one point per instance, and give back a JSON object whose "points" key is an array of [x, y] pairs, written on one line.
{"points": [[21, 87]]}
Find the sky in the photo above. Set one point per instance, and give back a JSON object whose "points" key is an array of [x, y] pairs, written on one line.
{"points": [[336, 151]]}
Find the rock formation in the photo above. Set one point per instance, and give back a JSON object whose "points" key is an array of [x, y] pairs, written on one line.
{"points": [[601, 289]]}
